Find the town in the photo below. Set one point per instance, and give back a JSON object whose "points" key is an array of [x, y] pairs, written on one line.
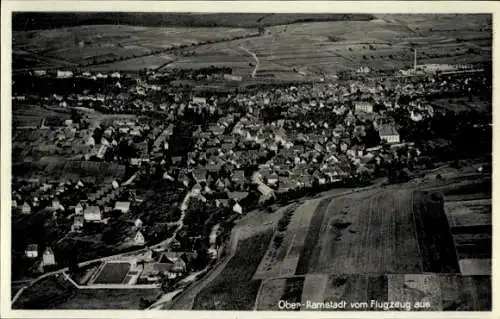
{"points": [[144, 167]]}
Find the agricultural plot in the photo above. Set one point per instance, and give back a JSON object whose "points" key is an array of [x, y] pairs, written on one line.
{"points": [[283, 258], [473, 267], [32, 115], [271, 292], [468, 213], [433, 233], [356, 288], [112, 299], [318, 48], [314, 288], [473, 245], [465, 293], [373, 232], [416, 288], [234, 288], [113, 273]]}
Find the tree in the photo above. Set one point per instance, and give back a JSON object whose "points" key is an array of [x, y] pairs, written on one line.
{"points": [[144, 303]]}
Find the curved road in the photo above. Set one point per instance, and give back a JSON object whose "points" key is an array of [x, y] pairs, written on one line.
{"points": [[257, 61]]}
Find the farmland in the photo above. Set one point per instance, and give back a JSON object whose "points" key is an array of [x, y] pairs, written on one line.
{"points": [[233, 289], [370, 234], [112, 273], [115, 299], [103, 44], [383, 43], [286, 49], [31, 116]]}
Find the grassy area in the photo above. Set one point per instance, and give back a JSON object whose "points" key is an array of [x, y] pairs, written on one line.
{"points": [[114, 299], [313, 235], [45, 294], [233, 289], [435, 239]]}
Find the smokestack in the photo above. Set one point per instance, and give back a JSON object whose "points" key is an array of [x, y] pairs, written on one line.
{"points": [[415, 59]]}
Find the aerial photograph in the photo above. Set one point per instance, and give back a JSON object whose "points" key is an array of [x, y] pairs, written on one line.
{"points": [[251, 161]]}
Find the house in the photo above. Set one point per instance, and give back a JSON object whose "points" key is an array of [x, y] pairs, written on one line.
{"points": [[138, 223], [272, 179], [77, 223], [389, 134], [92, 214], [265, 190], [31, 251], [200, 175], [237, 196], [237, 208], [238, 177], [48, 257], [124, 207], [199, 100], [26, 208], [139, 239], [222, 202], [64, 74], [79, 209], [196, 190], [56, 204]]}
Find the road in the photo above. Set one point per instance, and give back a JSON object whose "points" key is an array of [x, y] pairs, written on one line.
{"points": [[186, 299], [257, 61]]}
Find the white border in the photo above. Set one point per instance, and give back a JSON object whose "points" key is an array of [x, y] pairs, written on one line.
{"points": [[216, 6]]}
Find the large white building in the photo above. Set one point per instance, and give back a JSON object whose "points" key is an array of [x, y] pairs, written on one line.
{"points": [[389, 134], [365, 107]]}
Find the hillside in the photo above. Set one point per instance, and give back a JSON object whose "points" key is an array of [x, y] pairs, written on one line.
{"points": [[42, 20]]}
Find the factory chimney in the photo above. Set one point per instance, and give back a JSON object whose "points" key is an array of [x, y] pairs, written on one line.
{"points": [[415, 60]]}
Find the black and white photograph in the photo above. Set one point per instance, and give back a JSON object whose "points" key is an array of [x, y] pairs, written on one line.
{"points": [[248, 161]]}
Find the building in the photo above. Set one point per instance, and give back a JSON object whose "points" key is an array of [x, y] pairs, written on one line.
{"points": [[230, 77], [77, 223], [64, 74], [138, 223], [26, 208], [123, 207], [92, 214], [199, 100], [237, 209], [363, 107], [139, 239], [79, 209], [32, 251], [389, 134], [48, 258]]}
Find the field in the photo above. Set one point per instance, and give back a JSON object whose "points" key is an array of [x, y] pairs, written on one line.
{"points": [[32, 115], [415, 287], [98, 44], [463, 104], [234, 288], [433, 233], [112, 273], [45, 294], [113, 299], [370, 233], [308, 50], [311, 47]]}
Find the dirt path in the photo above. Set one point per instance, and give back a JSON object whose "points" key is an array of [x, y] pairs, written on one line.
{"points": [[257, 61]]}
